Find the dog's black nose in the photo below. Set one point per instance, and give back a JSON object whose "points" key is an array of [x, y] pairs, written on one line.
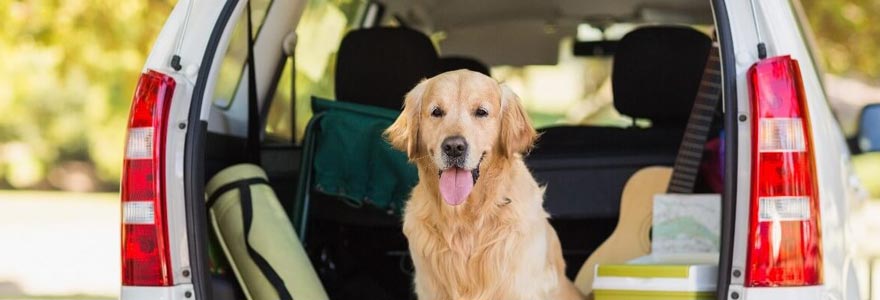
{"points": [[454, 146]]}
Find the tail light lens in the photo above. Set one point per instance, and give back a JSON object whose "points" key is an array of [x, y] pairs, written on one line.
{"points": [[145, 253], [784, 238]]}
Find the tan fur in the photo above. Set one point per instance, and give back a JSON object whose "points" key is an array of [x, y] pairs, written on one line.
{"points": [[498, 244]]}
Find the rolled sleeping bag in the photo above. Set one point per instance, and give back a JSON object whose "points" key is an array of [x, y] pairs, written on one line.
{"points": [[256, 236]]}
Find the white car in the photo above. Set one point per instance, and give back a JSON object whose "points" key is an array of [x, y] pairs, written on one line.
{"points": [[787, 184]]}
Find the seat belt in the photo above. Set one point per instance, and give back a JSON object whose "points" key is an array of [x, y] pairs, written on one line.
{"points": [[253, 156], [253, 129], [690, 151]]}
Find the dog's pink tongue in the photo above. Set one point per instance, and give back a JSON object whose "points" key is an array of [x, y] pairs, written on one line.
{"points": [[455, 185]]}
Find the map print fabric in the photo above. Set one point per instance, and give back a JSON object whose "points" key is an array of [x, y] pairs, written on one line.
{"points": [[686, 223]]}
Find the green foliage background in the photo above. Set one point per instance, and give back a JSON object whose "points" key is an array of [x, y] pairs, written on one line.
{"points": [[847, 36], [68, 69], [67, 72]]}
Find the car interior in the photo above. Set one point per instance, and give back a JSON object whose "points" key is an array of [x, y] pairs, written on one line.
{"points": [[656, 66]]}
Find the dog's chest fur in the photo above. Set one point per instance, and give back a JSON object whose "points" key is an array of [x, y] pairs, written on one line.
{"points": [[493, 246], [471, 259], [479, 256]]}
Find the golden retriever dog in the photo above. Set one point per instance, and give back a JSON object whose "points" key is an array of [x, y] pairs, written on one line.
{"points": [[476, 226]]}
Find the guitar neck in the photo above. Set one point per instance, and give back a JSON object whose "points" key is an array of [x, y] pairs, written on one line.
{"points": [[690, 152]]}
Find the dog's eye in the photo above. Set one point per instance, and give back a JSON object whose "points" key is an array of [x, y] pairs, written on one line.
{"points": [[436, 112], [481, 112]]}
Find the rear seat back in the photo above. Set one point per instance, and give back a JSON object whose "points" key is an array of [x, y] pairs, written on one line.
{"points": [[656, 74], [375, 68], [378, 66], [452, 63]]}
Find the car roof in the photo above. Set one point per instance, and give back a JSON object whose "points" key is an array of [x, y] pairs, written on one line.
{"points": [[528, 32], [449, 14]]}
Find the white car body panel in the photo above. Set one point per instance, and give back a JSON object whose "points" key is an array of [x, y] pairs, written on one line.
{"points": [[780, 31], [745, 52], [202, 18], [175, 205], [780, 293], [177, 292], [191, 47]]}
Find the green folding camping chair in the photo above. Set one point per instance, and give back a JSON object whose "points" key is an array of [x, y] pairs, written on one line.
{"points": [[345, 156]]}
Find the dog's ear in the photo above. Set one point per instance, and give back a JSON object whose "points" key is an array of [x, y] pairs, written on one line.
{"points": [[403, 134], [517, 134]]}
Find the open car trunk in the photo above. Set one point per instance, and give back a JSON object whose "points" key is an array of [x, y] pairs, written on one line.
{"points": [[358, 248]]}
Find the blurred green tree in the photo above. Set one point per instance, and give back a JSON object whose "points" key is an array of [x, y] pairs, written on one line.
{"points": [[68, 70], [67, 74], [847, 36]]}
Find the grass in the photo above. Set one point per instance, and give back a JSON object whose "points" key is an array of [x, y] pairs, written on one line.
{"points": [[27, 195], [86, 224]]}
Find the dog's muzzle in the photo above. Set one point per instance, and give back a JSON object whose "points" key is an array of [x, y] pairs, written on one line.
{"points": [[456, 183], [475, 173]]}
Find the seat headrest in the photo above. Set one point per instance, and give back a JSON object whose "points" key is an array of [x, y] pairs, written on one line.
{"points": [[378, 66], [657, 72], [452, 63]]}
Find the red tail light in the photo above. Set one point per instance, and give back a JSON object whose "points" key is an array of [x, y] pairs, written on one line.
{"points": [[784, 238], [145, 257]]}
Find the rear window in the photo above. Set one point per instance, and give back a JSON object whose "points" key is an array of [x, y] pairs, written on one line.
{"points": [[319, 32], [235, 58], [577, 90]]}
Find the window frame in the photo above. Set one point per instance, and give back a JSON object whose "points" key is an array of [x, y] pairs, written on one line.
{"points": [[239, 82]]}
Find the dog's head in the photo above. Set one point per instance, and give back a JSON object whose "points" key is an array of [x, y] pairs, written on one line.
{"points": [[453, 121]]}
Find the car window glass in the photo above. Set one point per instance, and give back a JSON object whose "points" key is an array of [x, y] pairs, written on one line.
{"points": [[576, 91], [235, 58], [279, 123], [319, 32]]}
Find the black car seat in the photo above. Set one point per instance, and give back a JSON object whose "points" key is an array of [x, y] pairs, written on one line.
{"points": [[452, 63], [378, 66], [360, 252], [655, 76]]}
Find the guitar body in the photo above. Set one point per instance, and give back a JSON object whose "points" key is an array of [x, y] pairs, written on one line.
{"points": [[631, 237]]}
